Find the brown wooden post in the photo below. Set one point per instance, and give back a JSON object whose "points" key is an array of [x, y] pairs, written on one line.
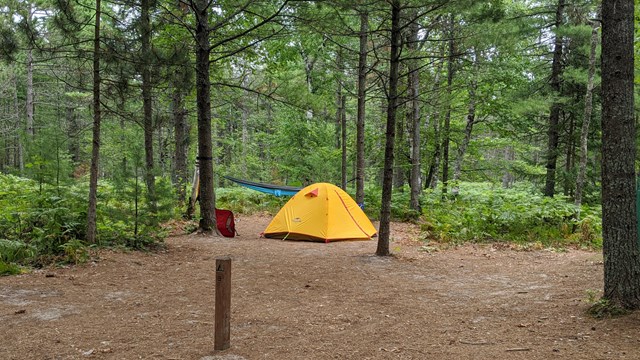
{"points": [[223, 304]]}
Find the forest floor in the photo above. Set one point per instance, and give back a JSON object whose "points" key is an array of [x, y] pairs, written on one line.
{"points": [[305, 300]]}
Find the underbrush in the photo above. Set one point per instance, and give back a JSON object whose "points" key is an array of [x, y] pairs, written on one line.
{"points": [[246, 201], [42, 224], [480, 212], [484, 212]]}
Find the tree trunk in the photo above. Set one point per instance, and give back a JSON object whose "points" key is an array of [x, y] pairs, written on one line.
{"points": [[338, 99], [19, 147], [588, 108], [244, 108], [471, 119], [447, 117], [181, 133], [340, 124], [619, 226], [343, 131], [413, 81], [203, 104], [362, 85], [149, 175], [400, 162], [73, 129], [554, 116], [394, 62], [431, 180], [507, 177], [30, 96], [95, 150], [568, 165]]}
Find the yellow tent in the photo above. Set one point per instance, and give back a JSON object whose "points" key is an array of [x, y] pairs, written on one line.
{"points": [[320, 212]]}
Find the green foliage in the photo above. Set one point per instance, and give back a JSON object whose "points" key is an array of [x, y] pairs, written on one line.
{"points": [[76, 251], [43, 224], [15, 251], [245, 201], [9, 269], [483, 211], [605, 309]]}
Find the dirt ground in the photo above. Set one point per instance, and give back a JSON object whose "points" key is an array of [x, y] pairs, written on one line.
{"points": [[304, 300]]}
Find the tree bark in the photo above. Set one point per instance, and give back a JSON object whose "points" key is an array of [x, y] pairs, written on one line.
{"points": [[431, 180], [340, 124], [244, 108], [554, 116], [400, 162], [588, 108], [392, 94], [338, 98], [570, 154], [73, 131], [343, 131], [447, 117], [362, 86], [19, 151], [95, 150], [203, 104], [30, 91], [181, 133], [619, 225], [149, 175], [507, 177], [413, 81], [471, 120]]}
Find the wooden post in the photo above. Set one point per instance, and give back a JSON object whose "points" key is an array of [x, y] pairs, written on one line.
{"points": [[223, 304]]}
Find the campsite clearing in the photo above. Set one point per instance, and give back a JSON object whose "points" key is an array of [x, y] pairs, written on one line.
{"points": [[310, 300]]}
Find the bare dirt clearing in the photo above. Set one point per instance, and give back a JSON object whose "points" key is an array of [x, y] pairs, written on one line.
{"points": [[302, 300]]}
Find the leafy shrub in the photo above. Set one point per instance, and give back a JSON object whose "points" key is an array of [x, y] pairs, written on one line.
{"points": [[76, 251], [482, 211], [15, 251], [42, 223], [9, 269], [246, 201]]}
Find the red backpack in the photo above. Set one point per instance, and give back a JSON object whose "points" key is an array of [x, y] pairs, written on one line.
{"points": [[226, 224]]}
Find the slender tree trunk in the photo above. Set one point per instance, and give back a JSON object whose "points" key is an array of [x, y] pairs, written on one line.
{"points": [[203, 104], [394, 62], [362, 85], [19, 151], [588, 108], [95, 150], [343, 131], [413, 81], [507, 177], [122, 105], [447, 117], [73, 130], [431, 180], [471, 119], [30, 95], [181, 133], [568, 165], [340, 124], [244, 108], [149, 175], [554, 116], [619, 221], [338, 99], [400, 162]]}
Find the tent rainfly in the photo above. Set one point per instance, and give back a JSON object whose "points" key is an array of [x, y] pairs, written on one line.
{"points": [[320, 212]]}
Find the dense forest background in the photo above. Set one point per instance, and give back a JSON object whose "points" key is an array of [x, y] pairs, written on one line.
{"points": [[486, 114]]}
